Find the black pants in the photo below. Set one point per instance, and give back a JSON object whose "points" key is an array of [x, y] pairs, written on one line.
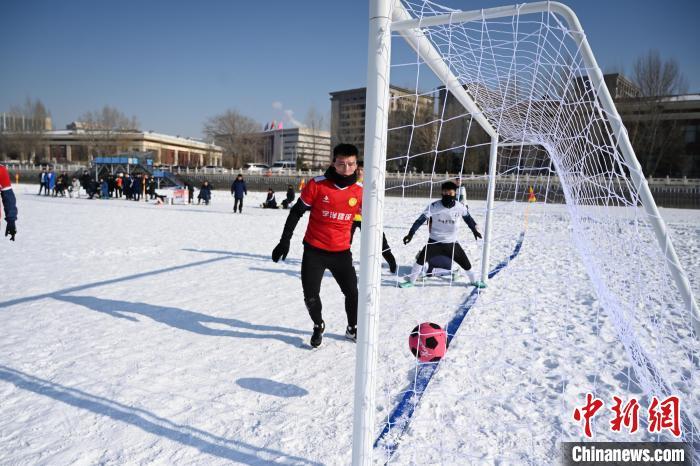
{"points": [[453, 250], [41, 187], [238, 202], [386, 250], [313, 264]]}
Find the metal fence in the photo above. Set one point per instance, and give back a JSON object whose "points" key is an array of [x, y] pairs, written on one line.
{"points": [[668, 192]]}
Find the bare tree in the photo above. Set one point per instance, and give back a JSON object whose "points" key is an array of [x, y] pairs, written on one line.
{"points": [[656, 78], [315, 121], [25, 133], [107, 130], [236, 134], [412, 139], [657, 140]]}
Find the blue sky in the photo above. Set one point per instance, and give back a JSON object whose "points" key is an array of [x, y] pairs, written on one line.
{"points": [[172, 64]]}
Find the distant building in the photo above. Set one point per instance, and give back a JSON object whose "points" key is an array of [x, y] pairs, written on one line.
{"points": [[10, 122], [311, 148], [76, 144], [348, 114], [620, 87], [677, 116]]}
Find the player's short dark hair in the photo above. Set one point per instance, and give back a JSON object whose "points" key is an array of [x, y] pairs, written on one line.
{"points": [[345, 150], [360, 164], [447, 185]]}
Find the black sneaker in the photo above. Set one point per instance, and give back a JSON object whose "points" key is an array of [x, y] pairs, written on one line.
{"points": [[317, 336], [351, 333]]}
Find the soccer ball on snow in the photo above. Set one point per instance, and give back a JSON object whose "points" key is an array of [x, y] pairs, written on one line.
{"points": [[428, 342]]}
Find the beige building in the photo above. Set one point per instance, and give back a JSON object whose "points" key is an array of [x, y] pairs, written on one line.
{"points": [[348, 115], [11, 122], [80, 146]]}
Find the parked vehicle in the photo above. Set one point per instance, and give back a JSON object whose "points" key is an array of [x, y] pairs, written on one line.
{"points": [[255, 167], [215, 169], [283, 166]]}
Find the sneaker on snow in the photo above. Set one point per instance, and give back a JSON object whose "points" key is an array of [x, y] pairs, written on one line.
{"points": [[351, 333], [317, 336]]}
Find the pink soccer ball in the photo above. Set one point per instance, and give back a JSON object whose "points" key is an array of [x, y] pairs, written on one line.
{"points": [[428, 342]]}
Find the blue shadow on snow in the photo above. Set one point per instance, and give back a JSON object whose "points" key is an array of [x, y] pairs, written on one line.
{"points": [[210, 444]]}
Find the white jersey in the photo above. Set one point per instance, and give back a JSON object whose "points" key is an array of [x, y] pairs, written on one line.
{"points": [[444, 221]]}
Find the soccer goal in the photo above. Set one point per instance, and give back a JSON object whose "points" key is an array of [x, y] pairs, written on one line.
{"points": [[586, 294]]}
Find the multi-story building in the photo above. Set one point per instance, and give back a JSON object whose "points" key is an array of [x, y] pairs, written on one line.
{"points": [[76, 144], [348, 115], [665, 132], [14, 123], [309, 148]]}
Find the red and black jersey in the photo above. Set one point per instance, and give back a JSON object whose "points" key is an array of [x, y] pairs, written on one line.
{"points": [[332, 212], [7, 196]]}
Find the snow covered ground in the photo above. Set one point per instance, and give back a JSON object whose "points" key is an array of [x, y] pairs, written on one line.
{"points": [[135, 334]]}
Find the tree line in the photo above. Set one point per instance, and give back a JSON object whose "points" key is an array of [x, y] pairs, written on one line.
{"points": [[659, 141]]}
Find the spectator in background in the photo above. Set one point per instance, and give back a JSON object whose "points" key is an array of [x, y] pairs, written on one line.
{"points": [[287, 202], [238, 189], [118, 183], [136, 188], [461, 191], [42, 181], [85, 181], [190, 193], [50, 182], [9, 203], [74, 188], [128, 186], [104, 188], [204, 193], [152, 187], [270, 201]]}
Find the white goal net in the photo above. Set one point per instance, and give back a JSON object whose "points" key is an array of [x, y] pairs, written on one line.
{"points": [[585, 292]]}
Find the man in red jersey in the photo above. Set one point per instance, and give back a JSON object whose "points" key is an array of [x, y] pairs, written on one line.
{"points": [[333, 200], [8, 202]]}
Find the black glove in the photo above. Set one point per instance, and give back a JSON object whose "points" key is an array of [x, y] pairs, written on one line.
{"points": [[11, 230], [407, 239], [477, 235], [280, 251]]}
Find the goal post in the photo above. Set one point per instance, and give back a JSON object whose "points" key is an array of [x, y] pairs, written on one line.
{"points": [[376, 121], [526, 76]]}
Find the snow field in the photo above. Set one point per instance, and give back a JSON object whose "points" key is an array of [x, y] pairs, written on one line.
{"points": [[138, 334]]}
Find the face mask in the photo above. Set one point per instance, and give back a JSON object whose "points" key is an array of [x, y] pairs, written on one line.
{"points": [[448, 201]]}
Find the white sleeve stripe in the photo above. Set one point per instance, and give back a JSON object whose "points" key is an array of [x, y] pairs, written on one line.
{"points": [[302, 201]]}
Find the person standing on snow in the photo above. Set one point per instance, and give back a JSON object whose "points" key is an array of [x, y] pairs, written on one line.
{"points": [[238, 189], [9, 203], [333, 200]]}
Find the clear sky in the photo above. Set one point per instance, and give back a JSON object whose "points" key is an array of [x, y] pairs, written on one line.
{"points": [[174, 63]]}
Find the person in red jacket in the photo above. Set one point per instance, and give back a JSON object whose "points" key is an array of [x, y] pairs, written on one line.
{"points": [[333, 199], [9, 203]]}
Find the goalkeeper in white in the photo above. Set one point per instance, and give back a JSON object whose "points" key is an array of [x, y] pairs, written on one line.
{"points": [[442, 247]]}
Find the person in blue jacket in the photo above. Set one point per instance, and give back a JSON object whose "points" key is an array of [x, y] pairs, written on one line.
{"points": [[136, 188], [238, 189], [204, 193], [51, 182], [104, 187]]}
